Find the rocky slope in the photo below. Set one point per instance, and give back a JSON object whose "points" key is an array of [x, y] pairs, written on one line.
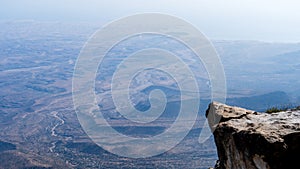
{"points": [[250, 140]]}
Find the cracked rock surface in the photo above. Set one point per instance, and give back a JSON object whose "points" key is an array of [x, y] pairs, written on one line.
{"points": [[246, 139]]}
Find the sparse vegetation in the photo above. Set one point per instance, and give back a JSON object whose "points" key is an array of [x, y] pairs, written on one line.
{"points": [[274, 110], [297, 108], [282, 108]]}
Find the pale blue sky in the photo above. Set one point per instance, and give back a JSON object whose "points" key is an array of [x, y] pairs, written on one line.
{"points": [[266, 20]]}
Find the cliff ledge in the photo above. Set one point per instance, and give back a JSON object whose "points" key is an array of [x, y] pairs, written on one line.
{"points": [[247, 139]]}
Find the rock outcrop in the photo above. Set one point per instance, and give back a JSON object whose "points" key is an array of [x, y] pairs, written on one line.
{"points": [[247, 139]]}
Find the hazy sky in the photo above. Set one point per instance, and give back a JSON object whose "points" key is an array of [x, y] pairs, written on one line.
{"points": [[266, 20]]}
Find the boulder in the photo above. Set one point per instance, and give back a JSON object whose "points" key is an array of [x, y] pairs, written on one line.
{"points": [[246, 139]]}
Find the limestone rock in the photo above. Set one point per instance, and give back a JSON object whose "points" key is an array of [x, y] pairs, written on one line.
{"points": [[247, 139]]}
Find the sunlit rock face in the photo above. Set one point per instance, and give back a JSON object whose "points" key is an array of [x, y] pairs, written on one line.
{"points": [[247, 139]]}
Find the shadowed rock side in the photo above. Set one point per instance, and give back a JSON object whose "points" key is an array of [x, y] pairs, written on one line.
{"points": [[250, 140]]}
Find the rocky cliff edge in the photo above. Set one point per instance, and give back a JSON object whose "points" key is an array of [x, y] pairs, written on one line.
{"points": [[246, 139]]}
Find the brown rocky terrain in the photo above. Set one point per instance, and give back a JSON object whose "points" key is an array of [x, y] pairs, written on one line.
{"points": [[247, 139]]}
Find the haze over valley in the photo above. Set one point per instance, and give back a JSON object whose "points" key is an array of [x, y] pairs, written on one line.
{"points": [[38, 124]]}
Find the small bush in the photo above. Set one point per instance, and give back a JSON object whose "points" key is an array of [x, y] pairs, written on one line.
{"points": [[297, 108], [274, 110]]}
